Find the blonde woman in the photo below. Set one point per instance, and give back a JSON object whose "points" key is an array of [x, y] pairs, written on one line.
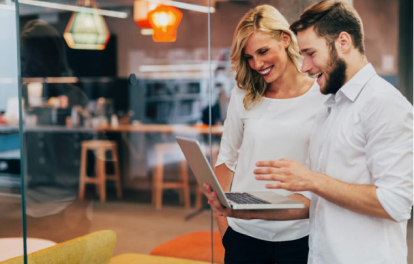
{"points": [[270, 116]]}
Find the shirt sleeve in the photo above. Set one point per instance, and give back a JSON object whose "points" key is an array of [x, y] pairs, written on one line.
{"points": [[307, 165], [389, 152], [232, 137]]}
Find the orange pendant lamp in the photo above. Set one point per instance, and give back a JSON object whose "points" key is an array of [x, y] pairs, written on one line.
{"points": [[141, 10], [164, 20]]}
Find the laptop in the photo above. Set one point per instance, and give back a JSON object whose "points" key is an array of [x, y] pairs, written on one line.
{"points": [[235, 200]]}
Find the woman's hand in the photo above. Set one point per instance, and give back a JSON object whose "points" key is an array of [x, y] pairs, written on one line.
{"points": [[215, 204]]}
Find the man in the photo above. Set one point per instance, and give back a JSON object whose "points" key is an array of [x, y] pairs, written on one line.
{"points": [[360, 156]]}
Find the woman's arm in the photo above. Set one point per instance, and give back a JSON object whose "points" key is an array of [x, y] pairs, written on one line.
{"points": [[225, 177], [278, 214], [229, 150]]}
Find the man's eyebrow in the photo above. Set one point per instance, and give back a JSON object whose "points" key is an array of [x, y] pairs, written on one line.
{"points": [[304, 51]]}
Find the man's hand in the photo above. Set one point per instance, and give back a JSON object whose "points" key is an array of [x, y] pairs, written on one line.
{"points": [[292, 176]]}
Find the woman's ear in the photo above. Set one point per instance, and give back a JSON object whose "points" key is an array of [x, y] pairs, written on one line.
{"points": [[285, 39]]}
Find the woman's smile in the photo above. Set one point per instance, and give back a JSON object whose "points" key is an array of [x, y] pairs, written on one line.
{"points": [[266, 71]]}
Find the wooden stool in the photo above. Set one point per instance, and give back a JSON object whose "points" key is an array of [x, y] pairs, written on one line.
{"points": [[199, 192], [158, 184], [99, 147]]}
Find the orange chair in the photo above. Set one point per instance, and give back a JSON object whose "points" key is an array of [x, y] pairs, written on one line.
{"points": [[195, 246]]}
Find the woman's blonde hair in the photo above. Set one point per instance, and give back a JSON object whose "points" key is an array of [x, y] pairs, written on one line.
{"points": [[267, 19]]}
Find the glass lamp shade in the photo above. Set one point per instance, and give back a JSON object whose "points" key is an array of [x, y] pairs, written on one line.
{"points": [[86, 31], [165, 20]]}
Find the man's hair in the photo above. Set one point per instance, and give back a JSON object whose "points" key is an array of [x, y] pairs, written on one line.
{"points": [[329, 19]]}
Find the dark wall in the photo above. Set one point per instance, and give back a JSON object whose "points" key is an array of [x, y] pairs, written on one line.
{"points": [[90, 63]]}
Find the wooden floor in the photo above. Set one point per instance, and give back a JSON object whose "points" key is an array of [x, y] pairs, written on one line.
{"points": [[139, 227]]}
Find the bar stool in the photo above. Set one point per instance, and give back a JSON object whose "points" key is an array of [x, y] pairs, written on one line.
{"points": [[99, 147], [199, 192], [158, 184]]}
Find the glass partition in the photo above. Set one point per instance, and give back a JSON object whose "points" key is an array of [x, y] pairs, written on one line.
{"points": [[103, 103], [11, 217]]}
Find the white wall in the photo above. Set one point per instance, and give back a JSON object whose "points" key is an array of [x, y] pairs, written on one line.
{"points": [[8, 54]]}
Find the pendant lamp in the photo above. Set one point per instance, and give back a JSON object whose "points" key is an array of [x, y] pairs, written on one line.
{"points": [[141, 10], [87, 30], [165, 20]]}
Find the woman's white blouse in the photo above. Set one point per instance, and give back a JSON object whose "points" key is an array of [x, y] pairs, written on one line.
{"points": [[272, 129]]}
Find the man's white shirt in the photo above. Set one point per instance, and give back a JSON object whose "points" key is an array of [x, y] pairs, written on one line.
{"points": [[364, 136]]}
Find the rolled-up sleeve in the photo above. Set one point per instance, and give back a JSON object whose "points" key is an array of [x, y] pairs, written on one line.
{"points": [[307, 194], [233, 132], [389, 151]]}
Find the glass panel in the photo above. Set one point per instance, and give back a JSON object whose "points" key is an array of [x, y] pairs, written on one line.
{"points": [[11, 223], [103, 105]]}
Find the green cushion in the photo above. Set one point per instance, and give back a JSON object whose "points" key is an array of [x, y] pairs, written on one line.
{"points": [[94, 248]]}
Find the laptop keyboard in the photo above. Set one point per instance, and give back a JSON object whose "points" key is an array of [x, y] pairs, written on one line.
{"points": [[244, 198]]}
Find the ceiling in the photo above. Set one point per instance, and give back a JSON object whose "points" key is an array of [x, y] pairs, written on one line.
{"points": [[119, 5]]}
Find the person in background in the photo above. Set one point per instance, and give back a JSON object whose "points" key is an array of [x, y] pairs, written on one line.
{"points": [[51, 190], [270, 114], [43, 54], [360, 163]]}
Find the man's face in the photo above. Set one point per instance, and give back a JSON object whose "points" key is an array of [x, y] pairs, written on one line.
{"points": [[321, 62]]}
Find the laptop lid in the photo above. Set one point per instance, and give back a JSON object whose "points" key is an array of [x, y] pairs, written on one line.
{"points": [[204, 174], [201, 167]]}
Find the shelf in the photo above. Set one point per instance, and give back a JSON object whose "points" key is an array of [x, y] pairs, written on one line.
{"points": [[173, 98], [170, 101]]}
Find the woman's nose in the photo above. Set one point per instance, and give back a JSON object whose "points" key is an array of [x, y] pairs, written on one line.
{"points": [[256, 64]]}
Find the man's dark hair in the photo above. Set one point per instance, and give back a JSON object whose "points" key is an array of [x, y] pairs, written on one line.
{"points": [[329, 19]]}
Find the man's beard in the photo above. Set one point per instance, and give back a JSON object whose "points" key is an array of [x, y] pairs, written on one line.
{"points": [[337, 76]]}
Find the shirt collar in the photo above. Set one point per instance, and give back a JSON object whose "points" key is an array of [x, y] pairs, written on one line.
{"points": [[354, 86]]}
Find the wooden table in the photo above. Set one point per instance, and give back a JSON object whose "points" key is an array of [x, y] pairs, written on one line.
{"points": [[141, 128], [185, 130], [137, 150], [165, 128], [13, 246]]}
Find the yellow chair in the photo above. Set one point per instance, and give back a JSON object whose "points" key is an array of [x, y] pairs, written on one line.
{"points": [[94, 248], [147, 259]]}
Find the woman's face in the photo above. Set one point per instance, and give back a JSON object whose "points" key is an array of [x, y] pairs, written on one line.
{"points": [[267, 55]]}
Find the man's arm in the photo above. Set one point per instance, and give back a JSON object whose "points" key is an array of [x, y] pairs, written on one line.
{"points": [[292, 176], [280, 214], [387, 121]]}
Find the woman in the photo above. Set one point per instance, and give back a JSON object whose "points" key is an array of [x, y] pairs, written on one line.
{"points": [[270, 117]]}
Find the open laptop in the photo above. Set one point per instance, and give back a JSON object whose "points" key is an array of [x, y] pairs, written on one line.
{"points": [[235, 200]]}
